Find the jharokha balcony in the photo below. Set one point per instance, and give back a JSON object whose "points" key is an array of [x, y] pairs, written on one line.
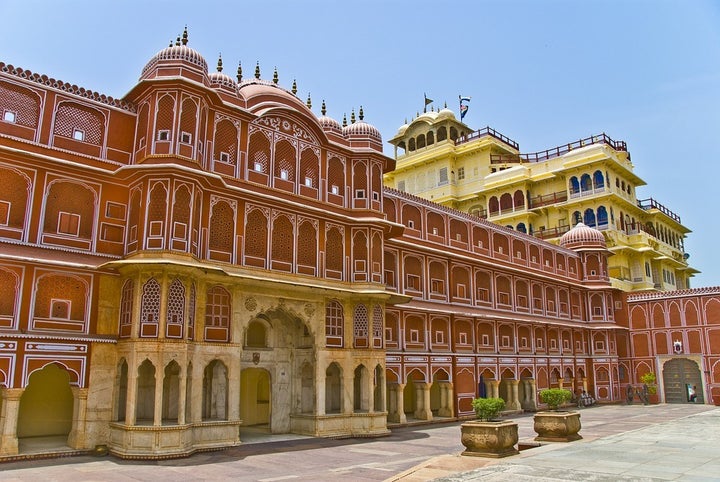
{"points": [[547, 199], [559, 150], [650, 203], [487, 131]]}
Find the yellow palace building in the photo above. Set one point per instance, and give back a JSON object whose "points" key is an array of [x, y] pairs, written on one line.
{"points": [[591, 180]]}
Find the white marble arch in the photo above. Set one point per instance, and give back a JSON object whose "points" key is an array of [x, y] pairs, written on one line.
{"points": [[284, 364]]}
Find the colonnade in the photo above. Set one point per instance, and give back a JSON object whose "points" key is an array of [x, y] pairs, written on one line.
{"points": [[423, 409], [10, 416]]}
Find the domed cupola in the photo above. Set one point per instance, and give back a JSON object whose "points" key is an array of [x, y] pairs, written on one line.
{"points": [[173, 56], [328, 124], [361, 130], [446, 113], [583, 237], [219, 80], [402, 128]]}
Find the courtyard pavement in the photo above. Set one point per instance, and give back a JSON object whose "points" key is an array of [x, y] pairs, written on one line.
{"points": [[639, 443]]}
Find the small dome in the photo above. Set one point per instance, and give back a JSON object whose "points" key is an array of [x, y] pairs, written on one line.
{"points": [[429, 116], [582, 236], [446, 113], [220, 79], [402, 129], [361, 129], [180, 51], [328, 123]]}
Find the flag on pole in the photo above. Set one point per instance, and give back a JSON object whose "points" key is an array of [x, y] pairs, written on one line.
{"points": [[427, 102], [463, 111], [463, 107]]}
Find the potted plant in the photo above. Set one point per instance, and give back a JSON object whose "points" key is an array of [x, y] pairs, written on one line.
{"points": [[488, 436], [649, 380], [556, 425]]}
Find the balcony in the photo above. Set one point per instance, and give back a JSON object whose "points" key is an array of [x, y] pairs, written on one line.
{"points": [[559, 150], [551, 233], [650, 203], [574, 194], [487, 131], [547, 199]]}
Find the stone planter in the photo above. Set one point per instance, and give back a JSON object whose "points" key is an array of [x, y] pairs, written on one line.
{"points": [[489, 439], [557, 426]]}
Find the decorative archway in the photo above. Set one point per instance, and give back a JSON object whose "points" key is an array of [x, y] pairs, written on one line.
{"points": [[46, 405], [255, 400], [679, 374]]}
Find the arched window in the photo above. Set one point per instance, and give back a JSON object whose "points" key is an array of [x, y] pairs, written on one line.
{"points": [[598, 180], [333, 388], [171, 392], [602, 217], [589, 218], [442, 134], [222, 230], [334, 323], [215, 393], [256, 238], [334, 253], [493, 206], [585, 183], [577, 217], [145, 394], [175, 310], [377, 327], [150, 309], [518, 199], [226, 144], [574, 185], [217, 314], [360, 326], [521, 228], [256, 335]]}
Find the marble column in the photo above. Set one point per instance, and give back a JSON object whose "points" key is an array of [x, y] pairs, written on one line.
{"points": [[422, 401], [78, 434], [9, 411], [182, 390], [494, 389], [446, 400], [530, 391], [348, 391], [157, 413], [513, 402], [561, 381], [396, 409], [131, 398]]}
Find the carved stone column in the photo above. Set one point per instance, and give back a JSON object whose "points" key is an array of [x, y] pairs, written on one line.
{"points": [[396, 410], [514, 402], [494, 389], [131, 399], [422, 401], [157, 414], [182, 390], [530, 390], [77, 436], [446, 400], [9, 410]]}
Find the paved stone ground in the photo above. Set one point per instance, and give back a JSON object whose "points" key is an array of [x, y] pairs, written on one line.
{"points": [[658, 442]]}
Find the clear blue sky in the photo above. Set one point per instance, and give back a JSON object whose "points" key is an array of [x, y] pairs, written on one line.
{"points": [[541, 72]]}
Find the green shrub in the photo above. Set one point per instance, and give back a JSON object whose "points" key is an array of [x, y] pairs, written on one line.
{"points": [[487, 409], [649, 379], [554, 397]]}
